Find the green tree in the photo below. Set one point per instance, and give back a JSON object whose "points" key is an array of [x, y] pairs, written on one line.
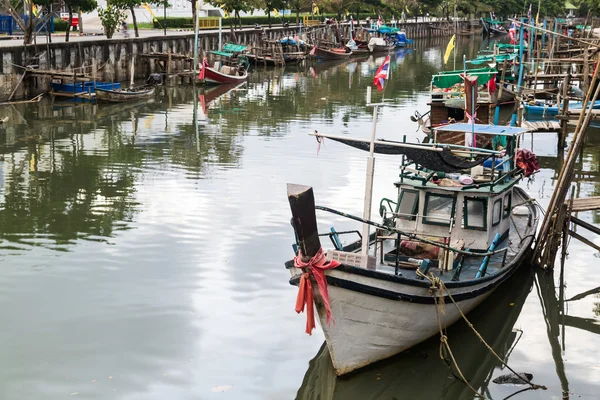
{"points": [[131, 5], [270, 5], [235, 6], [74, 5], [110, 17]]}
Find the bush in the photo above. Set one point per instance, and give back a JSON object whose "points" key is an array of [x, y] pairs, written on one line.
{"points": [[60, 25], [263, 20]]}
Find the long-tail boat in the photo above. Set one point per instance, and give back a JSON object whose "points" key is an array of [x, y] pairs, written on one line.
{"points": [[459, 227]]}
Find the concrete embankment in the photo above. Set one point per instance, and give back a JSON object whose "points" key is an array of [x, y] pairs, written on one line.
{"points": [[112, 57]]}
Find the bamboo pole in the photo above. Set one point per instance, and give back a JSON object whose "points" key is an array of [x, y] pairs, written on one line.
{"points": [[551, 221]]}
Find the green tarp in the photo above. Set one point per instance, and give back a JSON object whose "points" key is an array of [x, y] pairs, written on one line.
{"points": [[447, 79], [234, 48], [507, 46], [486, 59], [222, 53]]}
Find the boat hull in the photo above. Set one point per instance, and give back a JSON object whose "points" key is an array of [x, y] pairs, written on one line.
{"points": [[552, 111], [87, 87], [117, 96], [331, 55], [369, 328], [216, 77]]}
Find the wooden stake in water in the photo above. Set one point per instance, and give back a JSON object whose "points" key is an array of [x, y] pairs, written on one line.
{"points": [[369, 180], [132, 71]]}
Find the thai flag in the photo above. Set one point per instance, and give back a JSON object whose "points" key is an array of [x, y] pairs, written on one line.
{"points": [[529, 13], [382, 74]]}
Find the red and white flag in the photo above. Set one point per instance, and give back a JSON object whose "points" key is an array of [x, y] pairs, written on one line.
{"points": [[314, 50], [382, 74]]}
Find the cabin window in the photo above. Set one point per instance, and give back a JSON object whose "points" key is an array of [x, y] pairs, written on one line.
{"points": [[507, 205], [475, 213], [497, 212], [439, 209], [408, 204]]}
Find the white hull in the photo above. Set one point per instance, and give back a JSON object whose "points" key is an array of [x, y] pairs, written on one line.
{"points": [[370, 328]]}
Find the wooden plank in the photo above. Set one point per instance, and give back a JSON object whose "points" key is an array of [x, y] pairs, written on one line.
{"points": [[584, 240], [586, 204], [585, 225], [304, 220]]}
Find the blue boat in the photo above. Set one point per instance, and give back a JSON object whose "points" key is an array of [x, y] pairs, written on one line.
{"points": [[87, 87], [539, 108]]}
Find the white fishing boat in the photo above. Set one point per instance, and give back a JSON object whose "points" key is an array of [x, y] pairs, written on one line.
{"points": [[460, 224]]}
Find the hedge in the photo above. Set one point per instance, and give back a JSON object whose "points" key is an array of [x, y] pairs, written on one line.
{"points": [[60, 25], [263, 20]]}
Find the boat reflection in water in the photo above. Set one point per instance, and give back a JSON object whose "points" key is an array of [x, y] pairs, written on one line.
{"points": [[419, 373]]}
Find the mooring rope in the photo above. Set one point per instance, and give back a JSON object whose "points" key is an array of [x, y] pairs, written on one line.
{"points": [[437, 285]]}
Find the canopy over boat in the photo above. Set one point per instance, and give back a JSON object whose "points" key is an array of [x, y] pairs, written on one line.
{"points": [[492, 58], [447, 79], [483, 129]]}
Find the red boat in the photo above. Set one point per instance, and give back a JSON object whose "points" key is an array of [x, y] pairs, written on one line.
{"points": [[225, 74], [229, 67]]}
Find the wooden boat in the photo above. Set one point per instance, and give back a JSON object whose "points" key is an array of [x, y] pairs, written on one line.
{"points": [[551, 109], [229, 66], [332, 53], [84, 87], [469, 231], [124, 95], [495, 320]]}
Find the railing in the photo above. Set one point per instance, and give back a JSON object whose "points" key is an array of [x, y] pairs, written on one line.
{"points": [[9, 26], [208, 23]]}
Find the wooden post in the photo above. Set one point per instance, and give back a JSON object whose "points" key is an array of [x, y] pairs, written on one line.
{"points": [[132, 71], [304, 220], [564, 122], [586, 70]]}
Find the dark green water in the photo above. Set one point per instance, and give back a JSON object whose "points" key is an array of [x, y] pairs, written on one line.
{"points": [[142, 257]]}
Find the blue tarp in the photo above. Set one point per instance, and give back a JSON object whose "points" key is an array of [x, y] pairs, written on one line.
{"points": [[483, 129]]}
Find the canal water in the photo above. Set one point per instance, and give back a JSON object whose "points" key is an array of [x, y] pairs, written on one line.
{"points": [[142, 254]]}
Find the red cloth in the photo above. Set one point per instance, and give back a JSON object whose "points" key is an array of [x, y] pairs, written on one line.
{"points": [[317, 267], [203, 69], [382, 73], [527, 161], [492, 85]]}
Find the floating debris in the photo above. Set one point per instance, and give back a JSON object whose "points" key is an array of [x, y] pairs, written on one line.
{"points": [[520, 379]]}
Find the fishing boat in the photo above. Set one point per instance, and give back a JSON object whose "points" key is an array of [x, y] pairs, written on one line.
{"points": [[333, 53], [229, 66], [448, 98], [541, 107], [458, 228], [380, 45], [124, 95], [84, 87]]}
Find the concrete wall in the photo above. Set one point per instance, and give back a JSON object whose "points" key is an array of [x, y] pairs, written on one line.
{"points": [[113, 56]]}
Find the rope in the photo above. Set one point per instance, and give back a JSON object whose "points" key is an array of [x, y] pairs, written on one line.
{"points": [[437, 285]]}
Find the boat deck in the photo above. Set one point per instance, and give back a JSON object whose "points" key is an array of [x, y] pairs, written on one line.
{"points": [[521, 227]]}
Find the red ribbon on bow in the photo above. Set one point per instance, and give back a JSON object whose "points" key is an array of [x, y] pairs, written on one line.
{"points": [[317, 267]]}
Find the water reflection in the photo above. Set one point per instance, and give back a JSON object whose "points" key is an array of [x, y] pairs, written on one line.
{"points": [[176, 223]]}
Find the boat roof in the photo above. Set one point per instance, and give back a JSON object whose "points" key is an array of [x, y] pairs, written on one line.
{"points": [[222, 53], [481, 189], [498, 130], [447, 79], [491, 58]]}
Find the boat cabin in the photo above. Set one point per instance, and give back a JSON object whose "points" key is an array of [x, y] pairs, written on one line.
{"points": [[461, 195], [448, 96], [230, 59]]}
